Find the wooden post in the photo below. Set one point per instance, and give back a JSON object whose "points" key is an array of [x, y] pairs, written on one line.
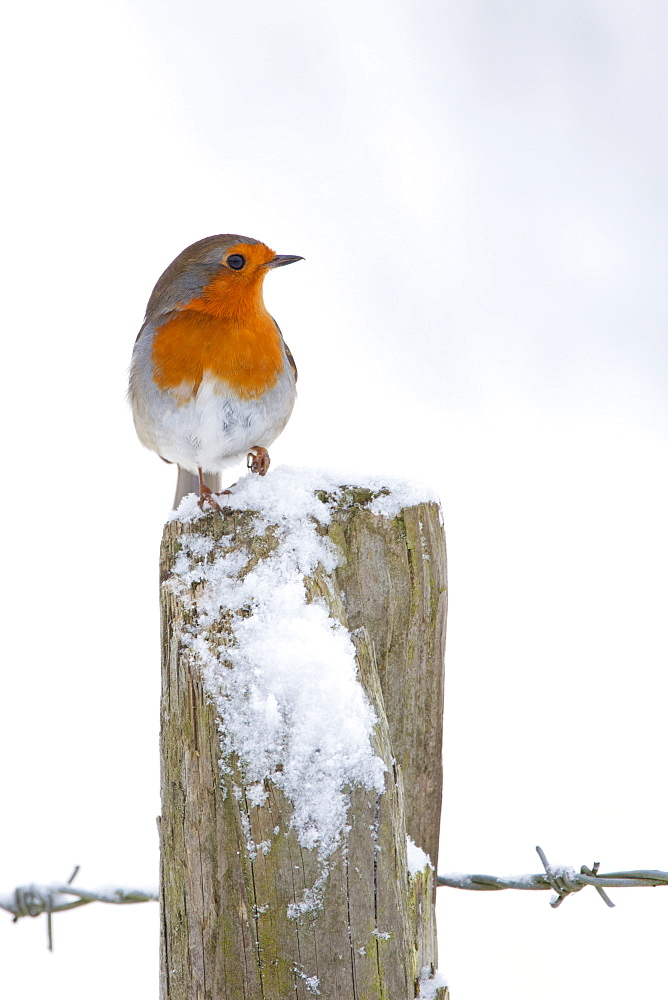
{"points": [[251, 909]]}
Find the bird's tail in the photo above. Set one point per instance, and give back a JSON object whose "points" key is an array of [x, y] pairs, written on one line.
{"points": [[187, 482]]}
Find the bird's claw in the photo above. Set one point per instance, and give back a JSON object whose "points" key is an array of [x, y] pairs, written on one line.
{"points": [[208, 497], [258, 460]]}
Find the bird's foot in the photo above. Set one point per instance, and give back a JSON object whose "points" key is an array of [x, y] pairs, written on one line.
{"points": [[207, 498], [258, 460], [206, 495]]}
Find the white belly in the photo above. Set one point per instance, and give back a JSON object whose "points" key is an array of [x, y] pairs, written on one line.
{"points": [[214, 429]]}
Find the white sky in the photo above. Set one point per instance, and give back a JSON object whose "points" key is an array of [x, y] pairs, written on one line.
{"points": [[479, 189]]}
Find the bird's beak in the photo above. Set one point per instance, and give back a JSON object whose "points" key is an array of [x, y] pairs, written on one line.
{"points": [[282, 258]]}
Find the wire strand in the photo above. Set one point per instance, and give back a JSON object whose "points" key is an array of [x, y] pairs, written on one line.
{"points": [[562, 879], [33, 900]]}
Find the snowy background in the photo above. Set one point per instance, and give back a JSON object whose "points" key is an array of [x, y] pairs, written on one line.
{"points": [[479, 188]]}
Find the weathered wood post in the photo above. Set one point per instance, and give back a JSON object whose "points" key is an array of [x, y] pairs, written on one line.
{"points": [[303, 636]]}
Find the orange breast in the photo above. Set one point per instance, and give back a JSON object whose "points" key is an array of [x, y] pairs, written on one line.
{"points": [[226, 332], [244, 352]]}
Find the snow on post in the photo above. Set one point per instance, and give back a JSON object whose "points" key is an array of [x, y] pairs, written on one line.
{"points": [[303, 633]]}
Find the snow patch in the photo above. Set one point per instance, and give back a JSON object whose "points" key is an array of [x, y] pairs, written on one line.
{"points": [[312, 983], [288, 489], [430, 982], [381, 935], [417, 859]]}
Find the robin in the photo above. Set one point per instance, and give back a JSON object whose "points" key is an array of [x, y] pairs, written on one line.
{"points": [[212, 379]]}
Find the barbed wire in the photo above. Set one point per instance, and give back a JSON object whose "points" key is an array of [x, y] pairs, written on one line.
{"points": [[33, 900], [562, 879]]}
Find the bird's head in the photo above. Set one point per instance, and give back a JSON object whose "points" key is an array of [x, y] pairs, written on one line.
{"points": [[219, 275]]}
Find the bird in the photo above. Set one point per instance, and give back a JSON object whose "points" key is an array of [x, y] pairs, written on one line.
{"points": [[211, 378]]}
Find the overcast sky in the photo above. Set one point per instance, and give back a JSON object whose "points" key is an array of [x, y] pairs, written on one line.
{"points": [[479, 189]]}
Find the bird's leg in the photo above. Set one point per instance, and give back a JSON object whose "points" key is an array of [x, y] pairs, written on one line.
{"points": [[206, 495], [258, 459]]}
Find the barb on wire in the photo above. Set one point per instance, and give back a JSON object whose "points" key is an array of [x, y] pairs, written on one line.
{"points": [[33, 900], [562, 879]]}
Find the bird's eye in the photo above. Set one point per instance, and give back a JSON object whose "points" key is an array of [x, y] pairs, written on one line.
{"points": [[236, 261]]}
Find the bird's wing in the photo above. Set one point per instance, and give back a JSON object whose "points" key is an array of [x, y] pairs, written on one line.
{"points": [[143, 327], [288, 352]]}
